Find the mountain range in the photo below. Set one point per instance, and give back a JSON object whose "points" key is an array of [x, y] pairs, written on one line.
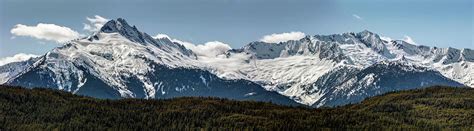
{"points": [[119, 61]]}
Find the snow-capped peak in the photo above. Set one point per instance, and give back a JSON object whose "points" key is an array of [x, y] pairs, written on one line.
{"points": [[130, 32], [121, 26], [308, 70], [115, 53]]}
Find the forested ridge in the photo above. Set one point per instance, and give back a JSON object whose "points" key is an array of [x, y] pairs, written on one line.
{"points": [[39, 108]]}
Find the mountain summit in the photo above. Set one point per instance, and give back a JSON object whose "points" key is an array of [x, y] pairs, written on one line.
{"points": [[121, 26]]}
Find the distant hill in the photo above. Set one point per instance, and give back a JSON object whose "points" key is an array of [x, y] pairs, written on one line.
{"points": [[435, 107]]}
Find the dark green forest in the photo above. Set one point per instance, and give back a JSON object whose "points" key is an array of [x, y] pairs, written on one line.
{"points": [[430, 108]]}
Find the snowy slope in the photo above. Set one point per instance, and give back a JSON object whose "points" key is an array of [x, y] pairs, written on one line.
{"points": [[282, 67], [307, 69], [117, 50], [322, 70], [122, 62], [456, 64], [381, 78], [10, 70]]}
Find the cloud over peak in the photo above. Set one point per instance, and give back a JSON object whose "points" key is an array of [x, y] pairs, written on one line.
{"points": [[160, 36], [209, 49], [16, 58], [95, 23], [408, 39], [44, 31], [282, 37]]}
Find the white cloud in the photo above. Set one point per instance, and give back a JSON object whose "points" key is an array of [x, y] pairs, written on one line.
{"points": [[213, 53], [408, 39], [16, 58], [43, 31], [209, 49], [95, 23], [282, 37], [57, 33], [357, 17], [159, 36], [385, 38]]}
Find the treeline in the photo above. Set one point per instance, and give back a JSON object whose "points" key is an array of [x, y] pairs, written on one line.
{"points": [[431, 108]]}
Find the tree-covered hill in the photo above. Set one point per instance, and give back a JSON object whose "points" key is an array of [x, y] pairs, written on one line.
{"points": [[32, 109]]}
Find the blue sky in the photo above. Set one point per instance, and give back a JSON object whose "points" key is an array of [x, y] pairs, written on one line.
{"points": [[441, 23]]}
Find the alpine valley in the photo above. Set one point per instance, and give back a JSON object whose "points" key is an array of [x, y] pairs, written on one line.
{"points": [[119, 61]]}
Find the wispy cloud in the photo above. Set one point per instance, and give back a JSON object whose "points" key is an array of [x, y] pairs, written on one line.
{"points": [[282, 37], [44, 31], [408, 39], [214, 53], [95, 23], [160, 36], [16, 58], [357, 16], [208, 50], [385, 38], [56, 33]]}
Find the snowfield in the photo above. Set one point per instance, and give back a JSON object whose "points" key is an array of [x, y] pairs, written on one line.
{"points": [[315, 70]]}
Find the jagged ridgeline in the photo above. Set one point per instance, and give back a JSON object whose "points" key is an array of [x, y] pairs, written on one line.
{"points": [[431, 108], [119, 61]]}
